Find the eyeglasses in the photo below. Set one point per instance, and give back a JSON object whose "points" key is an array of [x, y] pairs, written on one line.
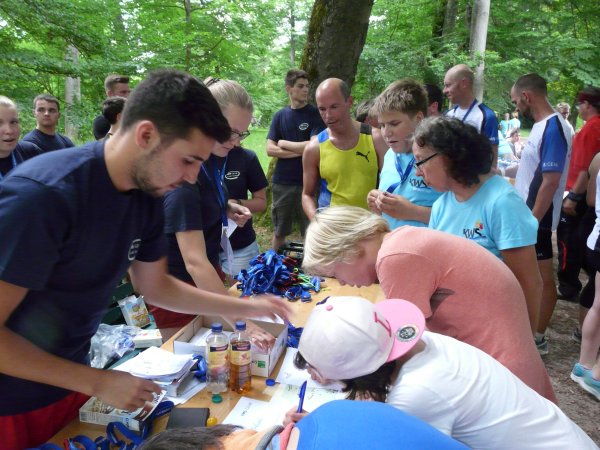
{"points": [[239, 135], [211, 80], [418, 164]]}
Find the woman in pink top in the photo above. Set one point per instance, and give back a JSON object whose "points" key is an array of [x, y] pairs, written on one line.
{"points": [[463, 290]]}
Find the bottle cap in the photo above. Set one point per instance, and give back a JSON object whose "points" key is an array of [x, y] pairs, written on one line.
{"points": [[240, 325], [216, 326], [270, 382], [211, 421], [216, 398]]}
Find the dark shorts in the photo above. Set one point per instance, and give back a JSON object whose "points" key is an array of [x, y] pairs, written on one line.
{"points": [[543, 247], [287, 207]]}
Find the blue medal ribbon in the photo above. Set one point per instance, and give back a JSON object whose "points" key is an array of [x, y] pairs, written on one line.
{"points": [[403, 173], [468, 110], [216, 182]]}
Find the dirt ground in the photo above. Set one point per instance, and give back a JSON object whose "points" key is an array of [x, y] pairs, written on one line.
{"points": [[581, 407]]}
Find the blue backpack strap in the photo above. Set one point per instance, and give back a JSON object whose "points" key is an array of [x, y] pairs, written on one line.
{"points": [[135, 439], [323, 136]]}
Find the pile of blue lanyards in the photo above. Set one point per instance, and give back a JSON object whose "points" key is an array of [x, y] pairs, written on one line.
{"points": [[271, 273]]}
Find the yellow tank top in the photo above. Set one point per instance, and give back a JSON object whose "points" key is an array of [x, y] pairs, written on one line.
{"points": [[347, 176]]}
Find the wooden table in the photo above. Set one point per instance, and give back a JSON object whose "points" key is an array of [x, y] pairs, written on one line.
{"points": [[259, 390]]}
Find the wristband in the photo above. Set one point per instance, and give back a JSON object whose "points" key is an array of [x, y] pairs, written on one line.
{"points": [[575, 197]]}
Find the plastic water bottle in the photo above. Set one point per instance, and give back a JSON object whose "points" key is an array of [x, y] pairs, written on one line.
{"points": [[217, 364], [240, 358]]}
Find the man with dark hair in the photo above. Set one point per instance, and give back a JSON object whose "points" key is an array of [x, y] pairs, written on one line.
{"points": [[76, 220], [436, 100], [572, 232], [341, 164], [112, 109], [291, 129], [46, 111], [115, 86], [540, 180], [458, 87]]}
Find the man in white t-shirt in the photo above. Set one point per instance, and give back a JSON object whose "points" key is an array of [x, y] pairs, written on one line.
{"points": [[381, 352], [458, 87], [540, 181]]}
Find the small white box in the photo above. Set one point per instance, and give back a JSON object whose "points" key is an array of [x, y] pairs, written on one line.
{"points": [[148, 338], [192, 339]]}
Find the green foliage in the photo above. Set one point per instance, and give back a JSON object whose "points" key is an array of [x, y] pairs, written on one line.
{"points": [[558, 39], [257, 142], [221, 38], [249, 41]]}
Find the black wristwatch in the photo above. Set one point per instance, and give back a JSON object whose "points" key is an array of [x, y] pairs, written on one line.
{"points": [[575, 197]]}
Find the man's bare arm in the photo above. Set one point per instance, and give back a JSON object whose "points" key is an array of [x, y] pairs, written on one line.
{"points": [[22, 359], [296, 147], [550, 182], [151, 280], [310, 178], [274, 151], [380, 146]]}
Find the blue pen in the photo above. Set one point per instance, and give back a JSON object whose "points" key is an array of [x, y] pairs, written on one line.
{"points": [[301, 395]]}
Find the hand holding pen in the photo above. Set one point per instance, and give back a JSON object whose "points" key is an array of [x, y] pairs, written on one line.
{"points": [[297, 413]]}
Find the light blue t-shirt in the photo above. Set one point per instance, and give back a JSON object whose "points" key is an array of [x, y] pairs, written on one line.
{"points": [[496, 217], [413, 188]]}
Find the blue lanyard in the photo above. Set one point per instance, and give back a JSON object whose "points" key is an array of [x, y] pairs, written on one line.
{"points": [[404, 174], [468, 110], [216, 182], [14, 163]]}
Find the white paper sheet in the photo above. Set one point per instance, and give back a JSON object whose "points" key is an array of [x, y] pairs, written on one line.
{"points": [[155, 363], [231, 226], [192, 388], [287, 395], [256, 414]]}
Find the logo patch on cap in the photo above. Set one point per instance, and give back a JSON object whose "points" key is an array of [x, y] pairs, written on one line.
{"points": [[407, 333]]}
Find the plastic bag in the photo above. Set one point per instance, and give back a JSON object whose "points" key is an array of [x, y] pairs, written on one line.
{"points": [[111, 343]]}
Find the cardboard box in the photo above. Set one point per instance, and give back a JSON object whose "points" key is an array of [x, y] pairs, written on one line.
{"points": [[97, 412], [192, 339], [148, 338]]}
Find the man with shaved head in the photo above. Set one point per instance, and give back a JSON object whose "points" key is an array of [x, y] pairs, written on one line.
{"points": [[541, 179], [342, 162], [458, 87]]}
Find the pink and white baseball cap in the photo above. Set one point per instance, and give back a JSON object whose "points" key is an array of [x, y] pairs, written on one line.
{"points": [[348, 337]]}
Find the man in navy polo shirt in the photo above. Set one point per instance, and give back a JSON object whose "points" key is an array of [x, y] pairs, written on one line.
{"points": [[291, 129], [46, 111], [72, 223]]}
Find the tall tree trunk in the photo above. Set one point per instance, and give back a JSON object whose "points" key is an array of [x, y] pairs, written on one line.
{"points": [[187, 4], [335, 40], [479, 27], [449, 17], [292, 19], [72, 95]]}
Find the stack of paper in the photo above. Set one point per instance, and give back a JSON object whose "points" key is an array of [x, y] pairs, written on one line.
{"points": [[158, 365]]}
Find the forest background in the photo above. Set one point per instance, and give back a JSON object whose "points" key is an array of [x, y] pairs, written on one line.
{"points": [[67, 47]]}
